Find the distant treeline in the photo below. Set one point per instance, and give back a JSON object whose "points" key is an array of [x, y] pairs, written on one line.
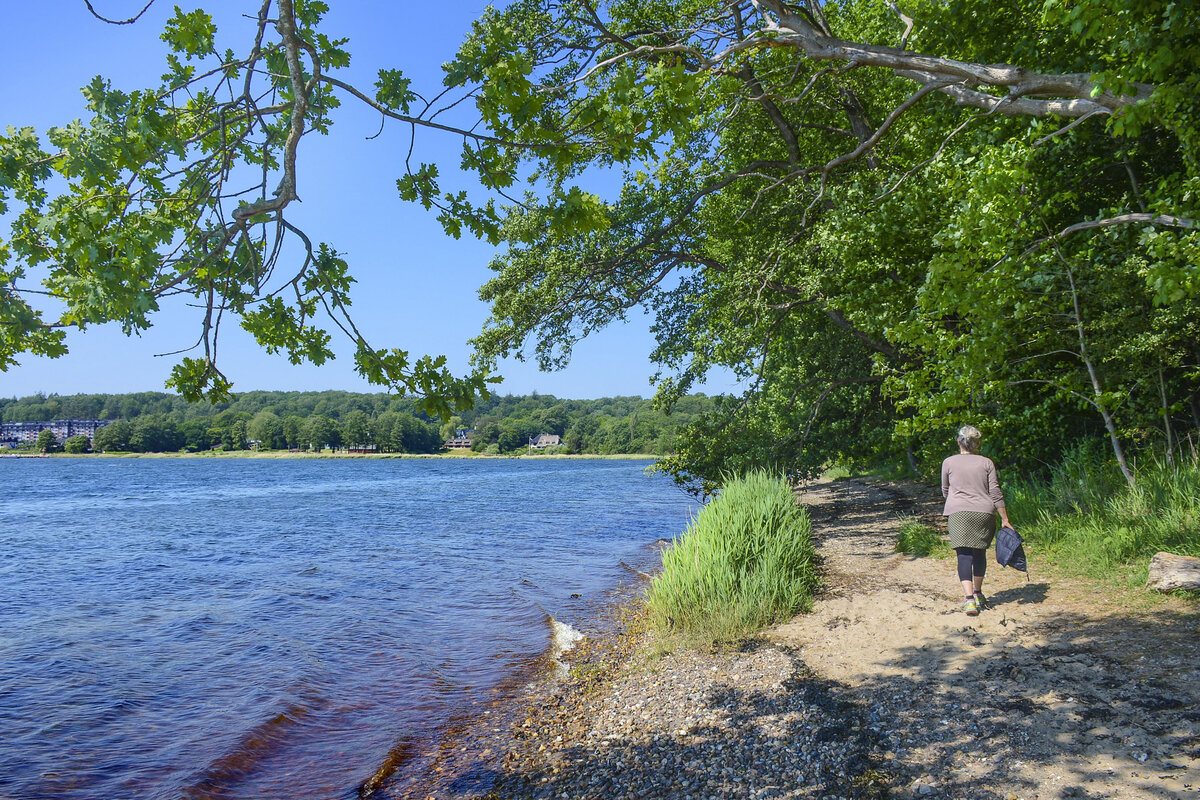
{"points": [[159, 422]]}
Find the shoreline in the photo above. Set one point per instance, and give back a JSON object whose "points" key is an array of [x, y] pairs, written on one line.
{"points": [[634, 722], [279, 454], [886, 690], [474, 754]]}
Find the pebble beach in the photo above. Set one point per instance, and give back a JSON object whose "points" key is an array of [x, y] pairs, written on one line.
{"points": [[751, 724]]}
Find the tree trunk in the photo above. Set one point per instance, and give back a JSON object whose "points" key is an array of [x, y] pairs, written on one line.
{"points": [[1169, 572], [1109, 423], [1166, 412]]}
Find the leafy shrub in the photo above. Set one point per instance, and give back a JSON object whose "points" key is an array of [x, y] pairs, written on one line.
{"points": [[836, 472], [918, 539], [746, 561], [1084, 481]]}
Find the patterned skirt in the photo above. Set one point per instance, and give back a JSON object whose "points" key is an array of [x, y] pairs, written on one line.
{"points": [[971, 528]]}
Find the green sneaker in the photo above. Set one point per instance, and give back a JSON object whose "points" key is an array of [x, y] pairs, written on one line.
{"points": [[981, 601], [971, 608]]}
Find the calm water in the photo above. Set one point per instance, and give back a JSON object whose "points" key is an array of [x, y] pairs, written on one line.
{"points": [[248, 629]]}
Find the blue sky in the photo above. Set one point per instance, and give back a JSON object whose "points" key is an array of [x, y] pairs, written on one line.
{"points": [[416, 286]]}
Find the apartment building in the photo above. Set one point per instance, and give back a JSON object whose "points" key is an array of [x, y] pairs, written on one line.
{"points": [[14, 434]]}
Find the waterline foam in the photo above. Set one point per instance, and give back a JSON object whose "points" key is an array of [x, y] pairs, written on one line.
{"points": [[564, 639]]}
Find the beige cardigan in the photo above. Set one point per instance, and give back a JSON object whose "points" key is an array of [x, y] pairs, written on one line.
{"points": [[969, 483]]}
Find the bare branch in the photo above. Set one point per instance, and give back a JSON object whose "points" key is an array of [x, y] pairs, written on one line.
{"points": [[1012, 105], [426, 123], [777, 117], [1122, 219], [129, 21], [875, 344], [869, 143], [907, 20], [285, 192], [1066, 128], [932, 158], [1073, 94]]}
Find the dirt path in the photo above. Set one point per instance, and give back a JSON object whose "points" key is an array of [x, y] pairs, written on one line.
{"points": [[1052, 693]]}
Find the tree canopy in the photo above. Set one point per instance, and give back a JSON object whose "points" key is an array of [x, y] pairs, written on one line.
{"points": [[887, 216], [889, 220]]}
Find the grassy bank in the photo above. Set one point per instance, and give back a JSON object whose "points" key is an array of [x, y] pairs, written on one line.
{"points": [[746, 561], [1090, 521]]}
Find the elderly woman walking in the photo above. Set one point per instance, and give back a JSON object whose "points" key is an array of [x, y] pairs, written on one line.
{"points": [[973, 496]]}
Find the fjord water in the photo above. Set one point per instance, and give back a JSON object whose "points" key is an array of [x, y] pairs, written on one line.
{"points": [[287, 628]]}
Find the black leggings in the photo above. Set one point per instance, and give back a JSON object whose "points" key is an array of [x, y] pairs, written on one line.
{"points": [[972, 562]]}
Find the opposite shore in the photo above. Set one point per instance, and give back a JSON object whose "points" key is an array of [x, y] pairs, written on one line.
{"points": [[270, 454]]}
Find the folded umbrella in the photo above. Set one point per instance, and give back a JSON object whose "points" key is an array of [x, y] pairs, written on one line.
{"points": [[1010, 552]]}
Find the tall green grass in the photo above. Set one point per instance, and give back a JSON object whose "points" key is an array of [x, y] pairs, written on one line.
{"points": [[746, 561], [918, 539], [1087, 516]]}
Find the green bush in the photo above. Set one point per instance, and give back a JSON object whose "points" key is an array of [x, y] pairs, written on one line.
{"points": [[918, 539], [77, 444], [746, 561]]}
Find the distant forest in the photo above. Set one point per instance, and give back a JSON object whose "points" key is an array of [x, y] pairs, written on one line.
{"points": [[159, 422]]}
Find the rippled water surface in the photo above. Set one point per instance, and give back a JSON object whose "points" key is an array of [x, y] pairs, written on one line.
{"points": [[285, 628]]}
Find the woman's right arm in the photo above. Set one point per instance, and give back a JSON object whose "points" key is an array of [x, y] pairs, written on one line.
{"points": [[998, 496]]}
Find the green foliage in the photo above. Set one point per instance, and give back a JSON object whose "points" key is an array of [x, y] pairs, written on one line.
{"points": [[190, 33], [918, 539], [198, 379], [354, 429], [267, 429], [874, 287], [46, 441], [876, 257], [113, 438], [1151, 42], [746, 561], [77, 444], [155, 433], [392, 90], [183, 188], [1081, 483]]}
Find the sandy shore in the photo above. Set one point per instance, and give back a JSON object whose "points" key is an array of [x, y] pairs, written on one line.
{"points": [[886, 690]]}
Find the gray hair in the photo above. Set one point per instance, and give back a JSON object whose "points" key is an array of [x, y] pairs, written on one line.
{"points": [[968, 438]]}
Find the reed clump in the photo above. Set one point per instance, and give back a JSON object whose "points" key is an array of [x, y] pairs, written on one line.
{"points": [[746, 561]]}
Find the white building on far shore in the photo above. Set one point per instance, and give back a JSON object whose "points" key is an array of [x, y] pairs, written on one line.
{"points": [[14, 434]]}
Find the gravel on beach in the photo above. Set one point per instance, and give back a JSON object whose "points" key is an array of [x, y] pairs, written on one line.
{"points": [[751, 724]]}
